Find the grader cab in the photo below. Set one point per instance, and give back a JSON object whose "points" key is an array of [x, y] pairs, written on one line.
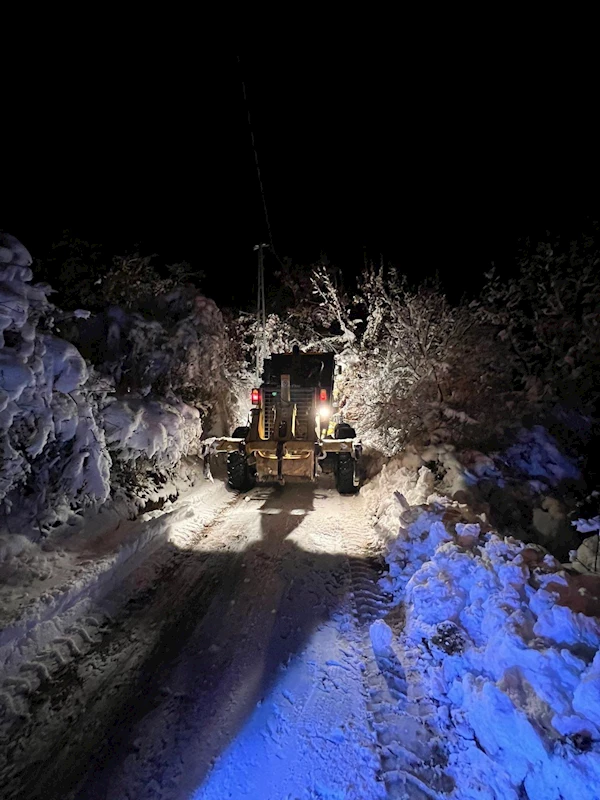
{"points": [[291, 436]]}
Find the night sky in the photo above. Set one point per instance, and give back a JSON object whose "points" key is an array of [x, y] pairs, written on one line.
{"points": [[434, 168]]}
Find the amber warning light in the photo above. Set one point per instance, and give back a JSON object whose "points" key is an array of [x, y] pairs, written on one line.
{"points": [[255, 397]]}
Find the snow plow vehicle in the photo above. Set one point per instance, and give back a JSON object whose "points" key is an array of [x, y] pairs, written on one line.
{"points": [[291, 436]]}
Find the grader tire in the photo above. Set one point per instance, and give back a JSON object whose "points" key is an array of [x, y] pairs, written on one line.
{"points": [[239, 474], [344, 474]]}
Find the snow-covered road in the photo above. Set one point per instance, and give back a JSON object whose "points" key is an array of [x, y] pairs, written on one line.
{"points": [[237, 664]]}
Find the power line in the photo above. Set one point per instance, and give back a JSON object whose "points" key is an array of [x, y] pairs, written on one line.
{"points": [[260, 183], [261, 315], [261, 321]]}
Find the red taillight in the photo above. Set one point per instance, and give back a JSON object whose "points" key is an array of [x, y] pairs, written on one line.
{"points": [[323, 396], [255, 397]]}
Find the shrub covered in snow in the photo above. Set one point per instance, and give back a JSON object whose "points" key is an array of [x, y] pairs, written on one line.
{"points": [[418, 367], [151, 429], [86, 275], [160, 371], [53, 452], [151, 329], [175, 347]]}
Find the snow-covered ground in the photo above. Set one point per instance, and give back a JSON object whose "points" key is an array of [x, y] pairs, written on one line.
{"points": [[68, 574], [250, 646], [228, 662], [505, 641], [57, 601]]}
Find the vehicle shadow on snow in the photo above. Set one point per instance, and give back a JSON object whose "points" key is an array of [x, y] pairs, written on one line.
{"points": [[228, 623]]}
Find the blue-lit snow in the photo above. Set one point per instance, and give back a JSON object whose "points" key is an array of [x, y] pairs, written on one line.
{"points": [[516, 678], [309, 738]]}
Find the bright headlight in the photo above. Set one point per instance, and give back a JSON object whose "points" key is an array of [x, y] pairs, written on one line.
{"points": [[324, 412]]}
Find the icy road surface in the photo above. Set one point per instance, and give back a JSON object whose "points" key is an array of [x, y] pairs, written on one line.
{"points": [[237, 665]]}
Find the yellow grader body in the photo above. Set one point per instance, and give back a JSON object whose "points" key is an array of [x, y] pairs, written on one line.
{"points": [[288, 438]]}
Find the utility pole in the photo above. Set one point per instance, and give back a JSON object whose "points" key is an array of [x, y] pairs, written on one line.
{"points": [[261, 314]]}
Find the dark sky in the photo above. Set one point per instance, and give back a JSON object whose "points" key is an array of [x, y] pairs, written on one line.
{"points": [[436, 167]]}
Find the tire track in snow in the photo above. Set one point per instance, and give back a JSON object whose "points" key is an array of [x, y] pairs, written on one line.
{"points": [[411, 754], [99, 655], [315, 722], [175, 669]]}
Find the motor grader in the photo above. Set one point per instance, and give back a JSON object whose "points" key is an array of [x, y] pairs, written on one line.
{"points": [[291, 436]]}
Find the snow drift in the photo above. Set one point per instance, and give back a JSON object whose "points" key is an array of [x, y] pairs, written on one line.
{"points": [[507, 641]]}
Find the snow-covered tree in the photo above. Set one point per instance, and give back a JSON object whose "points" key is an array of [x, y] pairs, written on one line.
{"points": [[170, 343], [93, 403], [422, 368], [53, 451], [85, 275], [549, 316], [313, 302], [309, 308]]}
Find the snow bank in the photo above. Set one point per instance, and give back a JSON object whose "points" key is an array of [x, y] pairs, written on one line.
{"points": [[535, 459], [536, 455], [524, 491], [53, 593], [586, 558], [507, 644], [395, 489]]}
